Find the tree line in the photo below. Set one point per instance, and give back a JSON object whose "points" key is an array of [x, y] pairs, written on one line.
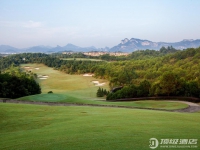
{"points": [[15, 84], [169, 84]]}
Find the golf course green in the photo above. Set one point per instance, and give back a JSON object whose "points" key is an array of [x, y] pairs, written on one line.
{"points": [[36, 127], [39, 127], [81, 89]]}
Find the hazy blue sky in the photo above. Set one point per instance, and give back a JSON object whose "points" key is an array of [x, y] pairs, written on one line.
{"points": [[99, 23]]}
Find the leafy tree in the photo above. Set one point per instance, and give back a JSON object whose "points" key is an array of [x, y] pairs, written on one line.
{"points": [[155, 89], [101, 92], [168, 83], [126, 75], [193, 89], [144, 89], [14, 84]]}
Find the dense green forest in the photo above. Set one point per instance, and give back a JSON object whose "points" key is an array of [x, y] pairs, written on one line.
{"points": [[184, 63], [169, 84], [15, 84], [143, 68]]}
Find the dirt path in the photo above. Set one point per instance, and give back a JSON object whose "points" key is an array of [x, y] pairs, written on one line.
{"points": [[192, 107]]}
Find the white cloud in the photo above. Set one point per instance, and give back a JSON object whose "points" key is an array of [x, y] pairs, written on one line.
{"points": [[32, 24], [24, 24]]}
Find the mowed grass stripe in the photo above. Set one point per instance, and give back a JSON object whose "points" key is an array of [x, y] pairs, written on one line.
{"points": [[60, 82], [47, 127]]}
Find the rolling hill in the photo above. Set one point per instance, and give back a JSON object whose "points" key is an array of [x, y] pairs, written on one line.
{"points": [[126, 45]]}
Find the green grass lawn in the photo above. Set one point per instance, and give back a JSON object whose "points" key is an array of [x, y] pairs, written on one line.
{"points": [[80, 89], [24, 126], [82, 59], [65, 98], [60, 82]]}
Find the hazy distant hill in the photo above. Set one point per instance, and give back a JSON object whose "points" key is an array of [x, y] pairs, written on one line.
{"points": [[46, 49], [37, 49], [7, 48], [126, 45], [133, 44], [77, 48]]}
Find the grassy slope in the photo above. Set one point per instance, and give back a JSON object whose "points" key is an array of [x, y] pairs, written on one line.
{"points": [[159, 104], [60, 82], [80, 89], [52, 127]]}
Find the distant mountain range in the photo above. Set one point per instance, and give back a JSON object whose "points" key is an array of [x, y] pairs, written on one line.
{"points": [[133, 44], [126, 45], [6, 49]]}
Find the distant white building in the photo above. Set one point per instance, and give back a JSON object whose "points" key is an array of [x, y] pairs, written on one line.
{"points": [[96, 53]]}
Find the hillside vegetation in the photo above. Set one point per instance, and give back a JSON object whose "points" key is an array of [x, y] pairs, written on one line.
{"points": [[150, 69]]}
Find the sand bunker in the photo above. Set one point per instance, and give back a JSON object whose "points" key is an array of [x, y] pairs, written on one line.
{"points": [[43, 77], [37, 68], [26, 67], [96, 83], [100, 84], [88, 75]]}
